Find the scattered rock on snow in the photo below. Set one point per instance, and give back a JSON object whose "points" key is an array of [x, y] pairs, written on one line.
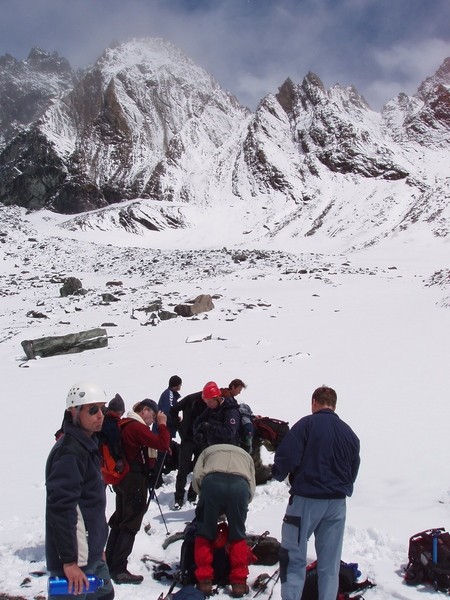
{"points": [[152, 307], [165, 315], [109, 298], [36, 315]]}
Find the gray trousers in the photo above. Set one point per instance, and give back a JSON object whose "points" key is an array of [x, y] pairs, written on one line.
{"points": [[305, 516]]}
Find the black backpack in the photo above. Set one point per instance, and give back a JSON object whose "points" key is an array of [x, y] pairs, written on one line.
{"points": [[348, 582], [265, 551], [221, 561], [429, 559]]}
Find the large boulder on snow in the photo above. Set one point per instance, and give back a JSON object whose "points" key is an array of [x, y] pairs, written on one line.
{"points": [[72, 286], [202, 303], [66, 344]]}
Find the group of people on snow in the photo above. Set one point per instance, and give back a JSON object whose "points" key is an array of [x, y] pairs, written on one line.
{"points": [[319, 457]]}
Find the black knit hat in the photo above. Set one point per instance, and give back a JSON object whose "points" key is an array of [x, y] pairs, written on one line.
{"points": [[149, 404], [117, 404]]}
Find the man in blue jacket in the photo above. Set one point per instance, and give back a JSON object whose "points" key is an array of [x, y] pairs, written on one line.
{"points": [[76, 528], [167, 401], [320, 454]]}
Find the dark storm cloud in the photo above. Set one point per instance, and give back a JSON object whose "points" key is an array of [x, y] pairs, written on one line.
{"points": [[382, 47]]}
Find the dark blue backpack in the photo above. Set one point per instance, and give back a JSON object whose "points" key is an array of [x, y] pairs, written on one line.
{"points": [[348, 582]]}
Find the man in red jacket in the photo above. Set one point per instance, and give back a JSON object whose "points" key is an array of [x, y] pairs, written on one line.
{"points": [[140, 446]]}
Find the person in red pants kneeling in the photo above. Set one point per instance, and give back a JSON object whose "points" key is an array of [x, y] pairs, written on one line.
{"points": [[224, 478]]}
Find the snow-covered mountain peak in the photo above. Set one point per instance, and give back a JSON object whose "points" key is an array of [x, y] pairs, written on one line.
{"points": [[146, 123], [313, 88], [46, 62], [150, 56], [423, 118], [440, 78], [348, 96]]}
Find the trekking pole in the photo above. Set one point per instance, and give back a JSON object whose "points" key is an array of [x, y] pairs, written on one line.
{"points": [[152, 489], [172, 587], [274, 584], [152, 493], [147, 527], [161, 513], [263, 587], [260, 539]]}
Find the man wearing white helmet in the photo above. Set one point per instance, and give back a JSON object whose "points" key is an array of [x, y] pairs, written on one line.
{"points": [[76, 528]]}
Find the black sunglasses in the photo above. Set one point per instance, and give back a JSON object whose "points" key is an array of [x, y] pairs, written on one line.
{"points": [[93, 410]]}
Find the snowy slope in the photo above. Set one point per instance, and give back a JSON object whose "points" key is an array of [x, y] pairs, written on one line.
{"points": [[371, 323]]}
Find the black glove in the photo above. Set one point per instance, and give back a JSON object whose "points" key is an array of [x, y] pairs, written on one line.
{"points": [[203, 427], [201, 434], [247, 443]]}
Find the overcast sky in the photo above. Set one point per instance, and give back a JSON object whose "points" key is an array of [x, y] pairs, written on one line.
{"points": [[382, 47]]}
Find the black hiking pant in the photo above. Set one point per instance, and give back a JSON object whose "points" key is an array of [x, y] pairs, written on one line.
{"points": [[125, 522], [187, 455]]}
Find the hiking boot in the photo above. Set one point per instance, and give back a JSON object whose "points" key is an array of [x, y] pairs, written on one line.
{"points": [[127, 577], [239, 589], [205, 586]]}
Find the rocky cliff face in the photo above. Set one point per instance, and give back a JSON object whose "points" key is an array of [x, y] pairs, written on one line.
{"points": [[314, 128], [146, 122], [143, 111], [27, 88]]}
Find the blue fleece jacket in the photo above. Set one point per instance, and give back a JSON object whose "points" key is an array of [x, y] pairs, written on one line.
{"points": [[320, 454]]}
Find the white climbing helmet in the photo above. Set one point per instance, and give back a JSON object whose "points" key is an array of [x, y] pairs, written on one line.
{"points": [[85, 392]]}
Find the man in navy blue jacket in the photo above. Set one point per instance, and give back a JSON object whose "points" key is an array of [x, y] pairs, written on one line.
{"points": [[320, 454], [76, 528], [167, 401]]}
